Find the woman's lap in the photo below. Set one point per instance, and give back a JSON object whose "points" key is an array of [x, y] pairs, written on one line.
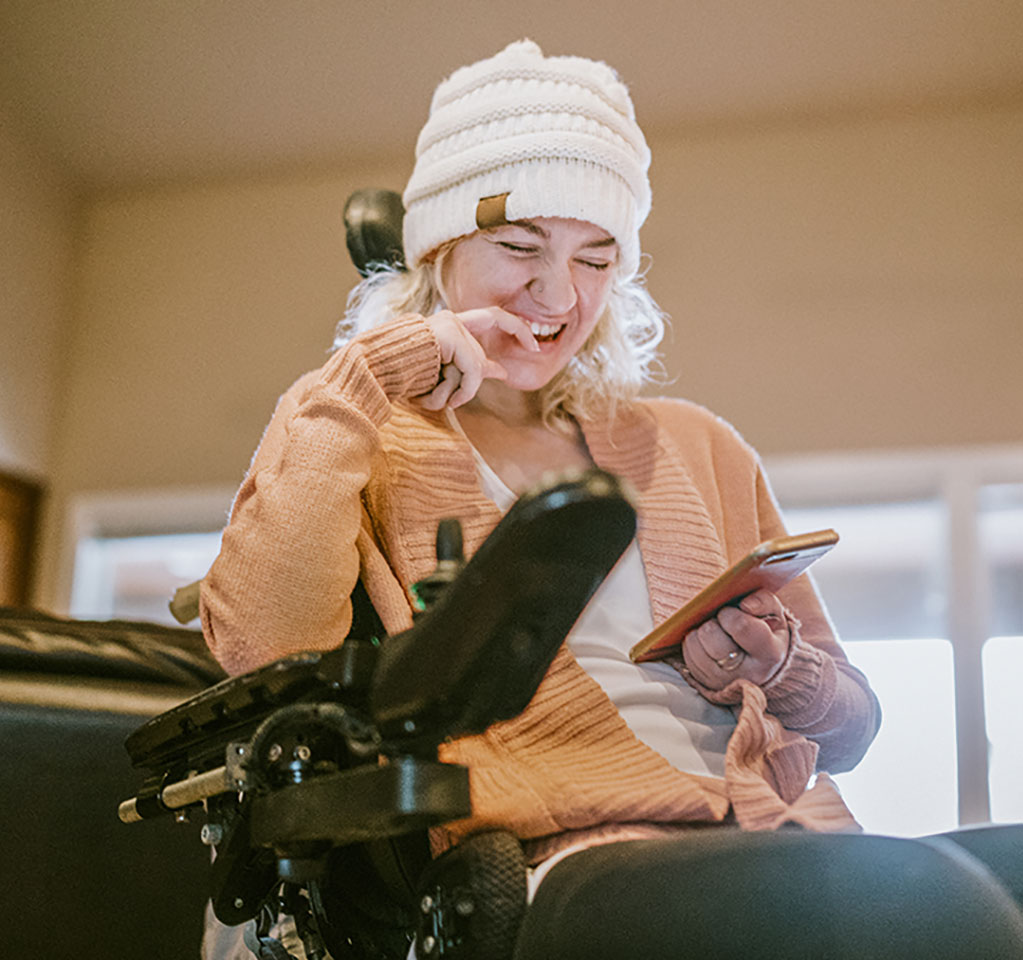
{"points": [[790, 893]]}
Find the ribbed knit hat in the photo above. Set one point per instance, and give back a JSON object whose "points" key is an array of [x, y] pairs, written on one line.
{"points": [[557, 135]]}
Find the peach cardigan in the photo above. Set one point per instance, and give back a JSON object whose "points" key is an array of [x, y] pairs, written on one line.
{"points": [[350, 478]]}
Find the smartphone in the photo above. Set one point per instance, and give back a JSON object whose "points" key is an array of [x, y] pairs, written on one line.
{"points": [[770, 565]]}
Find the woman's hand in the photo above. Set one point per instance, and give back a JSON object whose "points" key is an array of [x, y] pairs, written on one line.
{"points": [[750, 640], [464, 364]]}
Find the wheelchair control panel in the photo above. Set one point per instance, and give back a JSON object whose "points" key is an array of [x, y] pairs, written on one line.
{"points": [[322, 766]]}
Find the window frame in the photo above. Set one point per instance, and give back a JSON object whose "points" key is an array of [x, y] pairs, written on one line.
{"points": [[953, 476], [137, 513]]}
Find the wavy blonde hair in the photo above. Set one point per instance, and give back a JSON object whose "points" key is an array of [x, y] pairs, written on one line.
{"points": [[618, 358]]}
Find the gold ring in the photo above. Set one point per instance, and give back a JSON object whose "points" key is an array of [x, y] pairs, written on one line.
{"points": [[731, 660]]}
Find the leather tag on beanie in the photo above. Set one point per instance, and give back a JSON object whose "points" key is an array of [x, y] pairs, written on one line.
{"points": [[490, 211]]}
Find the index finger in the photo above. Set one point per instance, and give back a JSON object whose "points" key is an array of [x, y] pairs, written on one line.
{"points": [[762, 603], [486, 318], [760, 633]]}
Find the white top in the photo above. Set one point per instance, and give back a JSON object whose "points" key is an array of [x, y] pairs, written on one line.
{"points": [[659, 707]]}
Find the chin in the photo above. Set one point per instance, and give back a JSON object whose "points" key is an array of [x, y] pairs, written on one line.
{"points": [[527, 381]]}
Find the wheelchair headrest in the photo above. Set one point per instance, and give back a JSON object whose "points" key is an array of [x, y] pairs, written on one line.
{"points": [[373, 221]]}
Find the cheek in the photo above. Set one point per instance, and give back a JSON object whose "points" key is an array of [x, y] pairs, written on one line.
{"points": [[593, 298], [476, 276], [594, 285], [480, 289]]}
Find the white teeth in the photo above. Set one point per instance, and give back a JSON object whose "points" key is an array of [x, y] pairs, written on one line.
{"points": [[544, 329]]}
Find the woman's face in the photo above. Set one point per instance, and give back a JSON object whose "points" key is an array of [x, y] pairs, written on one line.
{"points": [[554, 273]]}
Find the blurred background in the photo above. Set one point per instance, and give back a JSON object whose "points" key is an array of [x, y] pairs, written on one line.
{"points": [[837, 235]]}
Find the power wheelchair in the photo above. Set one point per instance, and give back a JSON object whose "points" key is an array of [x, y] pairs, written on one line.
{"points": [[317, 776]]}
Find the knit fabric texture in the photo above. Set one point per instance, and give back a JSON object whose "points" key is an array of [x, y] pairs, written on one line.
{"points": [[558, 135], [351, 480]]}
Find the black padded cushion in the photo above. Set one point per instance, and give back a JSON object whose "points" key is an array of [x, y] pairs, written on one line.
{"points": [[78, 882], [999, 846], [36, 642]]}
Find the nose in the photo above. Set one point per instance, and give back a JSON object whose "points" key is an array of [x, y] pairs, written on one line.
{"points": [[553, 288]]}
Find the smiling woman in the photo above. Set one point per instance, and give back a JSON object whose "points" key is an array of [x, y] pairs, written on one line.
{"points": [[551, 273], [514, 343], [541, 273]]}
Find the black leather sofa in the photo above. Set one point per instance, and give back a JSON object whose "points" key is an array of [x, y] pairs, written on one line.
{"points": [[77, 883]]}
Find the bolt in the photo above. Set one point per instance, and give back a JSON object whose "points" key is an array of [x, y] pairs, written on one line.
{"points": [[274, 754], [426, 904], [239, 903], [211, 834], [302, 752], [465, 907], [428, 944], [410, 726]]}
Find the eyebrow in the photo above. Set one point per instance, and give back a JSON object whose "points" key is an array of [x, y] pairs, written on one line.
{"points": [[539, 231]]}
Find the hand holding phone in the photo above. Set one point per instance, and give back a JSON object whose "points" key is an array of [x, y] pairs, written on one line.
{"points": [[749, 638], [768, 566]]}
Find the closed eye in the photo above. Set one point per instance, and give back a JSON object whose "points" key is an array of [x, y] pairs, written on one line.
{"points": [[516, 247], [596, 264]]}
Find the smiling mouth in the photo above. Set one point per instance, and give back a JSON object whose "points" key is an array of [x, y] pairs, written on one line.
{"points": [[546, 332]]}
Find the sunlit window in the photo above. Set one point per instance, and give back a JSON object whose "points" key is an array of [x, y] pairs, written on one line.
{"points": [[926, 588], [133, 578], [133, 549], [884, 587], [1001, 538]]}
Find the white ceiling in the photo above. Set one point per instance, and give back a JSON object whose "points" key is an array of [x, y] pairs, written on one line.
{"points": [[129, 91]]}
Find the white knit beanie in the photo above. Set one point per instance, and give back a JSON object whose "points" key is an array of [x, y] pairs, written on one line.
{"points": [[557, 135]]}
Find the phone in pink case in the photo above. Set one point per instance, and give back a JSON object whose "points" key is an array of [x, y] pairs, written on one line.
{"points": [[769, 565]]}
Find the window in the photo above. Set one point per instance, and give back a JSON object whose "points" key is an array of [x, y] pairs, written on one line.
{"points": [[926, 590], [884, 588], [132, 551], [1001, 539], [134, 578]]}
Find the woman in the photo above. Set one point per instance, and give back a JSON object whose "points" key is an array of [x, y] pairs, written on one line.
{"points": [[514, 345]]}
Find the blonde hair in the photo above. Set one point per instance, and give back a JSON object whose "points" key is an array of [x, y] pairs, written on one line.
{"points": [[616, 361]]}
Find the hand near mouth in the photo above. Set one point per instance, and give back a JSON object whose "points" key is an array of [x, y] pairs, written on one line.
{"points": [[464, 364]]}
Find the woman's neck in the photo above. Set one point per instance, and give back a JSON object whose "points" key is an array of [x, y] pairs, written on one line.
{"points": [[513, 408], [506, 427]]}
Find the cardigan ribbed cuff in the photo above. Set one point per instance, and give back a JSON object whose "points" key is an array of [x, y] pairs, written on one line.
{"points": [[394, 361], [802, 691]]}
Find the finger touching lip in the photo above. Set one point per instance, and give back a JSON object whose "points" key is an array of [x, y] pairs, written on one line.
{"points": [[523, 331]]}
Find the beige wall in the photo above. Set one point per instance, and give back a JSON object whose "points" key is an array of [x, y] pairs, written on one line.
{"points": [[848, 285], [196, 308], [35, 272], [833, 286]]}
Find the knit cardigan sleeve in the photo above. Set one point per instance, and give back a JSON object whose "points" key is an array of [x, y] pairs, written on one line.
{"points": [[816, 691], [288, 559]]}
